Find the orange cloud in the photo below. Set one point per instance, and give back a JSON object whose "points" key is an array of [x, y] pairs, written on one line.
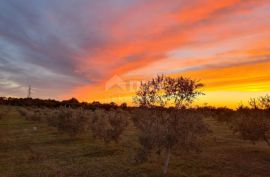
{"points": [[215, 41], [245, 78]]}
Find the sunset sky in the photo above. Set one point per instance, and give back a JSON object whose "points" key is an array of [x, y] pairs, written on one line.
{"points": [[81, 48]]}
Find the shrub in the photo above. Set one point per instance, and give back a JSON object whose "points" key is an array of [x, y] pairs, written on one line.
{"points": [[109, 125], [70, 121], [33, 114], [52, 117], [22, 112], [252, 125]]}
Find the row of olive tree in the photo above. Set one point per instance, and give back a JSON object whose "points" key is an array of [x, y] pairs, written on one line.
{"points": [[160, 130], [253, 123], [249, 123], [165, 131], [105, 125]]}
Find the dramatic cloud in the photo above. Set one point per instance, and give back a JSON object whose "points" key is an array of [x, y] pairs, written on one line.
{"points": [[69, 48]]}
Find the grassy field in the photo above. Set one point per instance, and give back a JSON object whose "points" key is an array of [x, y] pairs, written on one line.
{"points": [[32, 149]]}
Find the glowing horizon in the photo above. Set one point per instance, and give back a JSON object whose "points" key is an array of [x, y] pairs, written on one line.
{"points": [[70, 48]]}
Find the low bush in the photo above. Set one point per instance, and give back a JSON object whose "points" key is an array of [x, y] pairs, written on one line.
{"points": [[70, 121], [33, 114], [109, 125], [252, 125]]}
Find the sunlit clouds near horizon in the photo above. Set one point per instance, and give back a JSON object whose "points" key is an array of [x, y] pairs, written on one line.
{"points": [[68, 48]]}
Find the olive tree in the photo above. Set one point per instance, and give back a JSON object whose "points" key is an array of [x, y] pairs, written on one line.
{"points": [[108, 125], [70, 121], [252, 125], [164, 90], [168, 130], [181, 91], [151, 93], [264, 102]]}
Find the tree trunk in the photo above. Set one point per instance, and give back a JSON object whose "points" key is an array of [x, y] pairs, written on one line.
{"points": [[166, 164]]}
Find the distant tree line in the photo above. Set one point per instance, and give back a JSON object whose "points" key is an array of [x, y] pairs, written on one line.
{"points": [[51, 103]]}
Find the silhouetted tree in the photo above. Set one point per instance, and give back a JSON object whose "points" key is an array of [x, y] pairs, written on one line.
{"points": [[182, 91], [264, 102], [162, 90], [73, 103], [123, 105], [253, 103]]}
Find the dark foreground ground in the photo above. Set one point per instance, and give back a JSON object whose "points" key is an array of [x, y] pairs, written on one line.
{"points": [[32, 149]]}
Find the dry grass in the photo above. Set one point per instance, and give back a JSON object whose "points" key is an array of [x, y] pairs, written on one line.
{"points": [[44, 152]]}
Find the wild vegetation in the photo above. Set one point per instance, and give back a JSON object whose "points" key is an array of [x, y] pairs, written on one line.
{"points": [[79, 140]]}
